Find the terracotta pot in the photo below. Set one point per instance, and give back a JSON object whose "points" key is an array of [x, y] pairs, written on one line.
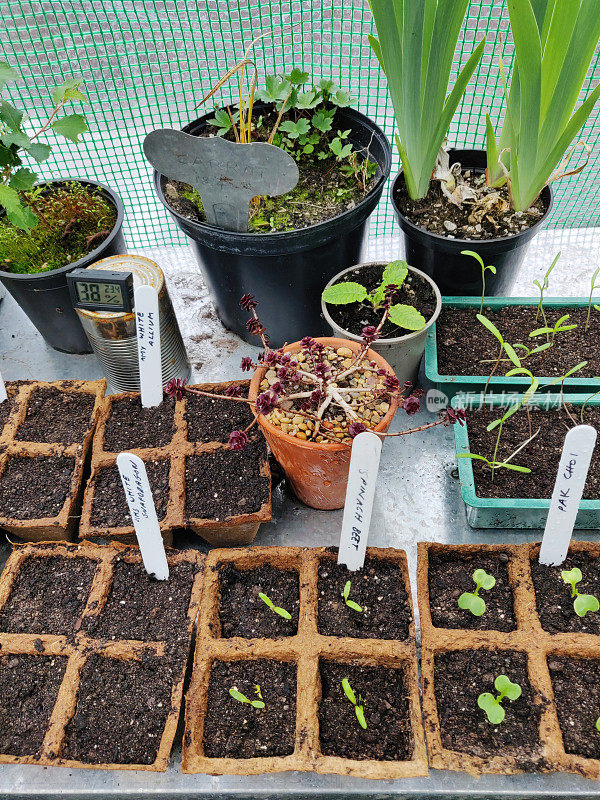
{"points": [[317, 472]]}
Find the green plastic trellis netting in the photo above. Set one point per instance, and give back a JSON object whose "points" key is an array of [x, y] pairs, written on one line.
{"points": [[147, 64]]}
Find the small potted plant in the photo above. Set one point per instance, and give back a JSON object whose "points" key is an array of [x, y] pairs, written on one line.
{"points": [[357, 296], [48, 229], [314, 230], [449, 201]]}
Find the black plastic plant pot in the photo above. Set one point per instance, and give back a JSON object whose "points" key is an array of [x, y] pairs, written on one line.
{"points": [[440, 257], [286, 271], [44, 296]]}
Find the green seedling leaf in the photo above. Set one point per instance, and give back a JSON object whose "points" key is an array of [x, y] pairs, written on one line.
{"points": [[18, 215], [395, 273], [23, 180], [513, 467], [241, 698], [350, 603], [407, 317], [572, 577], [69, 90], [472, 602], [348, 691], [340, 150], [507, 688], [295, 129], [280, 611], [584, 603], [38, 151], [11, 116], [297, 77], [484, 580], [326, 85], [494, 711], [71, 127], [307, 100], [341, 98], [598, 724], [223, 121], [491, 327], [323, 120], [360, 716], [344, 293]]}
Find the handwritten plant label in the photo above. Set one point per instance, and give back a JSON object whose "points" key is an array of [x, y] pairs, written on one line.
{"points": [[3, 395], [148, 339], [568, 490], [143, 513], [227, 175], [364, 466]]}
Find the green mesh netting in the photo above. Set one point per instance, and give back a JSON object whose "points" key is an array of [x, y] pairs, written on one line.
{"points": [[146, 65]]}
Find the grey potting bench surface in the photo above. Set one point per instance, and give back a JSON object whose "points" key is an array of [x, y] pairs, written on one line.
{"points": [[417, 499]]}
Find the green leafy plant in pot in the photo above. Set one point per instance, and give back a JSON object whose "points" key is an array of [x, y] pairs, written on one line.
{"points": [[49, 228], [408, 299]]}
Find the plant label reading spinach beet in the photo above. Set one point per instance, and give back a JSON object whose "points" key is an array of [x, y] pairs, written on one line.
{"points": [[568, 489], [3, 395], [143, 513], [148, 340], [364, 466], [227, 175]]}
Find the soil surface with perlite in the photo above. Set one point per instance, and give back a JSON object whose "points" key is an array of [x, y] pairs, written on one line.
{"points": [[460, 677], [451, 574], [492, 218], [576, 687], [384, 695], [457, 326], [243, 613], [54, 416], [109, 505], [233, 729], [542, 457], [553, 596], [213, 419], [131, 426], [353, 317], [34, 487], [378, 588]]}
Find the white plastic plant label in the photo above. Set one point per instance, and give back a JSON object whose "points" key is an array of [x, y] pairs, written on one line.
{"points": [[148, 340], [364, 466], [3, 395], [143, 513], [568, 489]]}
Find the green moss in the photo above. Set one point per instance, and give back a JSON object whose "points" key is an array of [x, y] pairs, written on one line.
{"points": [[72, 221]]}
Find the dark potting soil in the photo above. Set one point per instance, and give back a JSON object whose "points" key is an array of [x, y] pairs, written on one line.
{"points": [[544, 458], [435, 213], [212, 420], [451, 574], [243, 613], [130, 426], [226, 483], [122, 708], [456, 326], [383, 692], [54, 416], [142, 608], [28, 690], [576, 685], [378, 588], [109, 505], [415, 291], [48, 595], [553, 596], [460, 677], [35, 487], [233, 729]]}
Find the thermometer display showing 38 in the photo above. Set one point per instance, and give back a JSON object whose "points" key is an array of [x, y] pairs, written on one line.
{"points": [[102, 293]]}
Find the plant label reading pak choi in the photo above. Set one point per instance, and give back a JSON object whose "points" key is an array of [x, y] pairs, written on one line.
{"points": [[148, 340], [143, 513], [364, 466], [568, 489], [3, 394], [226, 175]]}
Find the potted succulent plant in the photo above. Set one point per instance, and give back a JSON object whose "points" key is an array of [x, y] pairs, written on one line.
{"points": [[450, 201], [316, 229], [410, 300], [48, 229]]}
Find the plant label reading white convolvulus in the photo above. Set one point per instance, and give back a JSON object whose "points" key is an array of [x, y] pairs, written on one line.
{"points": [[3, 395], [227, 175], [147, 328], [143, 513], [362, 477], [566, 497]]}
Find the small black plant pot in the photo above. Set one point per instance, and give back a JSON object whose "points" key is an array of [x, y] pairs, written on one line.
{"points": [[286, 271], [441, 258], [44, 296]]}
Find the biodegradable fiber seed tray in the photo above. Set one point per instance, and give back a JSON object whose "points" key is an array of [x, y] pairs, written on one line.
{"points": [[301, 658], [526, 632], [93, 655], [198, 482], [46, 431]]}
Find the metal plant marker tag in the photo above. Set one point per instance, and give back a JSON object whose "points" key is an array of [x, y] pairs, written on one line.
{"points": [[568, 490], [227, 175], [143, 513], [362, 478]]}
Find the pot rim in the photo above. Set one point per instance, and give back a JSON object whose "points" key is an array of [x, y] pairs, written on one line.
{"points": [[438, 237], [294, 347], [249, 237], [408, 337], [90, 257]]}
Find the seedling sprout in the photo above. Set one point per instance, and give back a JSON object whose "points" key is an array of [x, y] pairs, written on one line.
{"points": [[350, 603], [281, 611], [471, 601], [493, 705], [492, 269], [359, 706], [241, 698], [582, 602]]}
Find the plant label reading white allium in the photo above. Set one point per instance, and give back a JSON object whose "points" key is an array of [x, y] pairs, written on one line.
{"points": [[3, 394], [227, 175], [364, 466], [148, 340], [568, 489], [143, 513]]}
